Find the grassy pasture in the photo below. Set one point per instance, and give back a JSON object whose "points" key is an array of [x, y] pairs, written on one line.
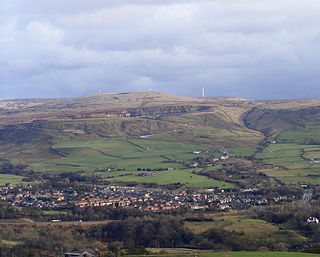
{"points": [[25, 153], [307, 134], [294, 160], [301, 179], [184, 177], [312, 153], [287, 155], [257, 254], [243, 151], [215, 136], [252, 229], [12, 179], [124, 154], [255, 231], [178, 252], [53, 212]]}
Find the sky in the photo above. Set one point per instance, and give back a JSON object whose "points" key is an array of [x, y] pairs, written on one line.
{"points": [[245, 48]]}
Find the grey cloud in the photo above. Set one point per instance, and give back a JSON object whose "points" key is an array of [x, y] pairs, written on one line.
{"points": [[251, 48]]}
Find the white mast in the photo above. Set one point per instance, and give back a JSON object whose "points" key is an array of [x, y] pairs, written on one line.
{"points": [[203, 92]]}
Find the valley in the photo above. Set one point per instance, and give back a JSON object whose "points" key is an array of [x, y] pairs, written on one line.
{"points": [[210, 172]]}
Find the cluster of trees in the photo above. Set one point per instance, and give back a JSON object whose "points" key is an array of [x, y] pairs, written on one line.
{"points": [[310, 142], [239, 173], [293, 216], [54, 180], [10, 212], [132, 231], [204, 160], [132, 236], [167, 232], [19, 170], [72, 213]]}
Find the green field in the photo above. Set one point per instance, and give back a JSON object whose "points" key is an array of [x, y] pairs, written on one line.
{"points": [[308, 134], [250, 227], [184, 177], [293, 160], [53, 212], [187, 252], [12, 179], [255, 230], [243, 141], [258, 254], [121, 154], [243, 151], [126, 159]]}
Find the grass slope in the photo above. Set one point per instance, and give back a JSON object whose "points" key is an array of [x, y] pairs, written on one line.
{"points": [[258, 254], [123, 154], [187, 252], [255, 230], [12, 179], [184, 177], [294, 161]]}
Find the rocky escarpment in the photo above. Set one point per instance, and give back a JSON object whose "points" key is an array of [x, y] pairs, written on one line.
{"points": [[150, 112]]}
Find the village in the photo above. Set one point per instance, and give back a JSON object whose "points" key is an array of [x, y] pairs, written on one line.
{"points": [[146, 199]]}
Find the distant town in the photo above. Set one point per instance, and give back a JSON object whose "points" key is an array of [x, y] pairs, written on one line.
{"points": [[146, 199]]}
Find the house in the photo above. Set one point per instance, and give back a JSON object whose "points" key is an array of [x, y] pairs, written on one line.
{"points": [[195, 164], [312, 220], [79, 254]]}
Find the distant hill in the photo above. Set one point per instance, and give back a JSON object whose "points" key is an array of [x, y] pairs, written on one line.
{"points": [[30, 127], [270, 117]]}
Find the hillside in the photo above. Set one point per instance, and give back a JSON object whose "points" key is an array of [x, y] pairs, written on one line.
{"points": [[93, 132], [104, 105], [274, 117], [120, 115]]}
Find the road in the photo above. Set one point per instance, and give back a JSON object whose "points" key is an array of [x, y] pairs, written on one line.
{"points": [[307, 195], [225, 150]]}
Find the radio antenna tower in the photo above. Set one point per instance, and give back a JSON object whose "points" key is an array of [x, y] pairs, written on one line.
{"points": [[203, 92]]}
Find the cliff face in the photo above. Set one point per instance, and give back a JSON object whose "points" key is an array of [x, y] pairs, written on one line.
{"points": [[150, 112], [142, 104], [269, 117]]}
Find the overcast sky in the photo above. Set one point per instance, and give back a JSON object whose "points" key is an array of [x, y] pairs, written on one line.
{"points": [[247, 48]]}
